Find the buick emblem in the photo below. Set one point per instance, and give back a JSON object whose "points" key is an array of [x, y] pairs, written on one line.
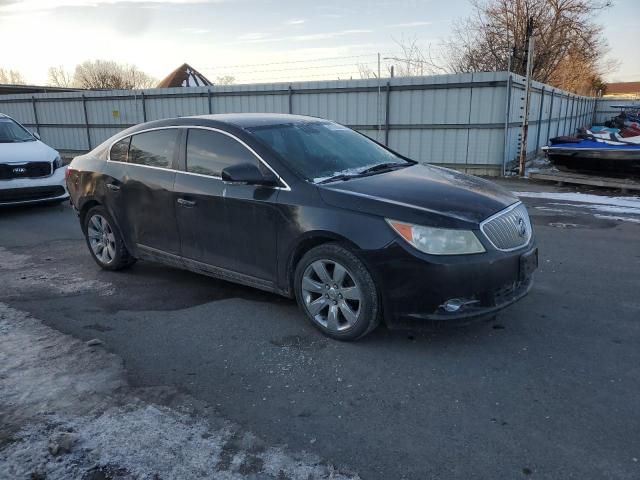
{"points": [[19, 170], [522, 227]]}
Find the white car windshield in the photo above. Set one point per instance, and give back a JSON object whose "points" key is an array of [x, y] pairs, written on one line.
{"points": [[13, 132]]}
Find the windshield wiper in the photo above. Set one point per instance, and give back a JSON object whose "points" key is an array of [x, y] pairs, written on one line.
{"points": [[342, 176], [382, 167], [379, 168]]}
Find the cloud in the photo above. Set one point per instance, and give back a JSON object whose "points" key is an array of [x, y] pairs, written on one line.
{"points": [[409, 24], [11, 6], [295, 21], [253, 38], [195, 31]]}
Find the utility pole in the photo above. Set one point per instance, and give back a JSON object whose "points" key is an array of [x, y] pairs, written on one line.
{"points": [[379, 93], [527, 97]]}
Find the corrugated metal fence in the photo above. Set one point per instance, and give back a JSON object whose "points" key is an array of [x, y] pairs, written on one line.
{"points": [[467, 121], [605, 111]]}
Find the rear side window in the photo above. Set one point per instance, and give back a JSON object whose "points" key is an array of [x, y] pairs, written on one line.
{"points": [[154, 149], [120, 150], [208, 153]]}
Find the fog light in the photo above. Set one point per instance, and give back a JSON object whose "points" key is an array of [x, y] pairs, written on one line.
{"points": [[455, 304]]}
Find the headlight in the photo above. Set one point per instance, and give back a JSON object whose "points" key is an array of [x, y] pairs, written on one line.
{"points": [[58, 163], [438, 241]]}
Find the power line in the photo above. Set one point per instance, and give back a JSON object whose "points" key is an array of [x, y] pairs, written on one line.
{"points": [[296, 78], [287, 62], [313, 67]]}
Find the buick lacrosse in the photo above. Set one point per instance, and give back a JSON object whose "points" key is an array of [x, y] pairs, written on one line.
{"points": [[306, 208]]}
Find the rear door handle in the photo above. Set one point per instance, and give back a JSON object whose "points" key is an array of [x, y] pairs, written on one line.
{"points": [[113, 187], [186, 203]]}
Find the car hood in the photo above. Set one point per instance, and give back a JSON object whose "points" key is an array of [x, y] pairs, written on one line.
{"points": [[432, 195], [26, 152]]}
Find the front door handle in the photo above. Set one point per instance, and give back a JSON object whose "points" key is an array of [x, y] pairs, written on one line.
{"points": [[186, 203], [113, 187]]}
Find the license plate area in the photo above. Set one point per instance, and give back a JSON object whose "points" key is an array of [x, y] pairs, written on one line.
{"points": [[528, 264]]}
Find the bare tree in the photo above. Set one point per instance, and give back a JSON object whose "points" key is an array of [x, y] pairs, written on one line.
{"points": [[11, 77], [226, 80], [567, 39], [59, 77], [365, 71], [104, 74], [415, 60]]}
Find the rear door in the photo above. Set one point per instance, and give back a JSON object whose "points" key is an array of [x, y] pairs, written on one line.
{"points": [[147, 190], [232, 227]]}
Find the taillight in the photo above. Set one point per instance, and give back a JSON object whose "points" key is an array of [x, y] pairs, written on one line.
{"points": [[68, 173]]}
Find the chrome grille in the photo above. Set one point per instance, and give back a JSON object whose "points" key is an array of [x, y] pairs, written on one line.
{"points": [[509, 229]]}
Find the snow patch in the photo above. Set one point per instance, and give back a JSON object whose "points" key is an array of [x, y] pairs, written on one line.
{"points": [[598, 203], [633, 202], [52, 384]]}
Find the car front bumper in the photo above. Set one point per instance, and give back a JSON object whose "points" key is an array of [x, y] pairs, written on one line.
{"points": [[416, 287], [20, 191]]}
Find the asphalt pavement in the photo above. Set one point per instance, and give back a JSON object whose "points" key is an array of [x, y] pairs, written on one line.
{"points": [[549, 389]]}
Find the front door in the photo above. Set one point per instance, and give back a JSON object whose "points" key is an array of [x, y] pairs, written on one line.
{"points": [[231, 227], [147, 190]]}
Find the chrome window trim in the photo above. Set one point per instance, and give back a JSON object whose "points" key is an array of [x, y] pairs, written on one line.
{"points": [[498, 214], [200, 127]]}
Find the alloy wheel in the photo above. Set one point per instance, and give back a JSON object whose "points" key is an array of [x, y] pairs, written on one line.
{"points": [[101, 239], [331, 295]]}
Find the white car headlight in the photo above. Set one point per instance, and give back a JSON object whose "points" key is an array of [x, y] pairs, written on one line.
{"points": [[58, 163], [438, 241]]}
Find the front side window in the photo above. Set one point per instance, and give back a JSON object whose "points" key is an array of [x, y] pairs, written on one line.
{"points": [[154, 149], [13, 132], [120, 150], [208, 153]]}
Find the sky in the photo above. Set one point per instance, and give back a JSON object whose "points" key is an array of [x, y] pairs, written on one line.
{"points": [[252, 40]]}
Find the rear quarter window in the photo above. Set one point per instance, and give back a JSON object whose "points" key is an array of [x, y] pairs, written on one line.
{"points": [[120, 150]]}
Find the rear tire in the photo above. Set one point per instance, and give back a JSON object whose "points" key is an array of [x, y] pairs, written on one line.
{"points": [[336, 292], [105, 240]]}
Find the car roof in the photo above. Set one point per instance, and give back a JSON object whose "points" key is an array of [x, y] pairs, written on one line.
{"points": [[250, 120]]}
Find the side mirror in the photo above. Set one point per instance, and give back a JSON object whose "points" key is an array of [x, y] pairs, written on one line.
{"points": [[248, 174], [37, 135]]}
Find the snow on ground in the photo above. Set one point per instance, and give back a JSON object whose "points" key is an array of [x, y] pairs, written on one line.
{"points": [[611, 206], [67, 413]]}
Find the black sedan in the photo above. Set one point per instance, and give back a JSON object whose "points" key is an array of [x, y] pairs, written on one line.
{"points": [[306, 207]]}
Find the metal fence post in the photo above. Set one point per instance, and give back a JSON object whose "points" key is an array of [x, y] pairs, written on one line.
{"points": [[290, 99], [539, 119], [550, 115], [35, 114], [144, 108], [566, 116], [507, 115], [86, 121], [209, 101], [386, 115]]}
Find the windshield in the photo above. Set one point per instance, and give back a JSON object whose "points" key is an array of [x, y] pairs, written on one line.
{"points": [[13, 132], [320, 151]]}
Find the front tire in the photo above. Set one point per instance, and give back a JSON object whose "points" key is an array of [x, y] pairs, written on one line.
{"points": [[105, 241], [336, 292]]}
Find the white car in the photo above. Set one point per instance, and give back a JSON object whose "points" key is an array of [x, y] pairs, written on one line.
{"points": [[30, 171]]}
